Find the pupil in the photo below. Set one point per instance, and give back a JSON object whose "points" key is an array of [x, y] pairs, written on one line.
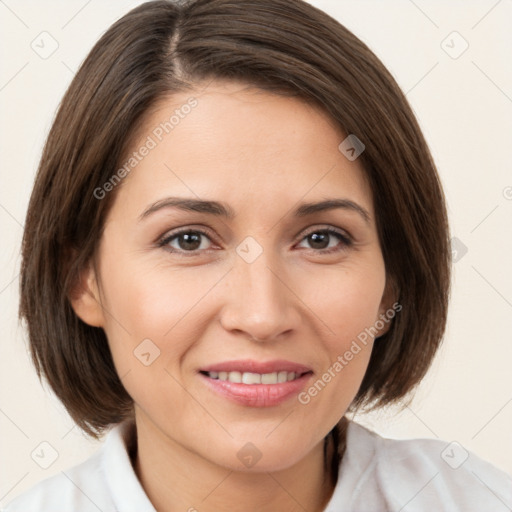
{"points": [[190, 238], [320, 238]]}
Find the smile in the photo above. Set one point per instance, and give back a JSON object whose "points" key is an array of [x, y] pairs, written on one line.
{"points": [[256, 384]]}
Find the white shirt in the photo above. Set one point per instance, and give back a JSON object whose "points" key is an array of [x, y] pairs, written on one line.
{"points": [[376, 475]]}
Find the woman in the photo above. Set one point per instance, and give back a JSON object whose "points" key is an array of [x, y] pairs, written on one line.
{"points": [[237, 235]]}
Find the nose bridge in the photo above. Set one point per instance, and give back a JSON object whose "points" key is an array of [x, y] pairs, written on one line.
{"points": [[258, 301]]}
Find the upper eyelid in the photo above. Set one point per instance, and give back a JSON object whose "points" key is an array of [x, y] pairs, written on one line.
{"points": [[322, 227], [179, 231]]}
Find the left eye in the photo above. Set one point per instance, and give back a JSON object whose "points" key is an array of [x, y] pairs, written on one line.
{"points": [[320, 237]]}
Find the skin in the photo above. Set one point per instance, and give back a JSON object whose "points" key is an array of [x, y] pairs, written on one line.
{"points": [[262, 154]]}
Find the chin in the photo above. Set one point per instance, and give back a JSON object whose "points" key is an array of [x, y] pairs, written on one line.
{"points": [[258, 456]]}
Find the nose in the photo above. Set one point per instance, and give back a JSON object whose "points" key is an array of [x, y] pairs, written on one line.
{"points": [[259, 301]]}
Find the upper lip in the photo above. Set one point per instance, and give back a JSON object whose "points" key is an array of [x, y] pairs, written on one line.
{"points": [[248, 365]]}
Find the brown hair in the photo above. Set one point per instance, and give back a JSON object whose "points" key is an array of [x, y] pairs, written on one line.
{"points": [[285, 46]]}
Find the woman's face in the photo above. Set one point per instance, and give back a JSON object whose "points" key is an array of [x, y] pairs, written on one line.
{"points": [[265, 290]]}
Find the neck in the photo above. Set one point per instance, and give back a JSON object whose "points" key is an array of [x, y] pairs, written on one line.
{"points": [[174, 478]]}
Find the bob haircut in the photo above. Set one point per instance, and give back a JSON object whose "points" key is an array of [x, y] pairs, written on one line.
{"points": [[282, 46]]}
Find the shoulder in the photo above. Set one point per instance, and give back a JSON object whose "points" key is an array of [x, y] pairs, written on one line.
{"points": [[418, 474], [106, 481]]}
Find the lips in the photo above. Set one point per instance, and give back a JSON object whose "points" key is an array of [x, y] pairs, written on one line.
{"points": [[256, 384]]}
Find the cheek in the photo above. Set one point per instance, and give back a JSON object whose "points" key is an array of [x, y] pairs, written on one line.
{"points": [[156, 314], [149, 299], [346, 301], [349, 307], [145, 333]]}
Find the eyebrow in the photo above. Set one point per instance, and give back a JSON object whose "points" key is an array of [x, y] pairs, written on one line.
{"points": [[223, 210]]}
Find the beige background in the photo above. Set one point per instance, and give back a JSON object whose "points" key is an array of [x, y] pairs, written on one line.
{"points": [[464, 106]]}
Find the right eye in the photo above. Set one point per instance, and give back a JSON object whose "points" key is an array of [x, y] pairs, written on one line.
{"points": [[188, 242]]}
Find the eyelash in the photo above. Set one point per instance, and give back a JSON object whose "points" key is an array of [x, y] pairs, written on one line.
{"points": [[163, 242]]}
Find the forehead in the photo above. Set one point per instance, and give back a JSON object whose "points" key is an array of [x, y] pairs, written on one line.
{"points": [[242, 145]]}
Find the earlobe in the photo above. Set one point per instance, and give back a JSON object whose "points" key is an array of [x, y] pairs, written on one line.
{"points": [[84, 298]]}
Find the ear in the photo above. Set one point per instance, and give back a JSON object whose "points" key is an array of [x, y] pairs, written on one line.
{"points": [[389, 306], [85, 298]]}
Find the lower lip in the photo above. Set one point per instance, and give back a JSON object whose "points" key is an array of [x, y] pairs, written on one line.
{"points": [[257, 395]]}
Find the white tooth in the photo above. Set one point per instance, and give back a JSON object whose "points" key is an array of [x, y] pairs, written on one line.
{"points": [[254, 378], [269, 378], [282, 376], [235, 377], [251, 378]]}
